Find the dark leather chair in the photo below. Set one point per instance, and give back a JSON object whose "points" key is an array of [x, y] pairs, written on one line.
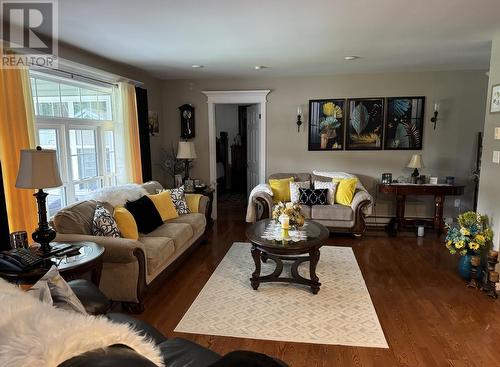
{"points": [[176, 352]]}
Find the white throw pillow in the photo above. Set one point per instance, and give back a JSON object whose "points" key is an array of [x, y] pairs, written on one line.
{"points": [[332, 188], [294, 189]]}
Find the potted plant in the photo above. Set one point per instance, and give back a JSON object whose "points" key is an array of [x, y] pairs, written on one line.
{"points": [[469, 238]]}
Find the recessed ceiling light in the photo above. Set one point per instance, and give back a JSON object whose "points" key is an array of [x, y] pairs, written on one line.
{"points": [[349, 58], [260, 67], [196, 66]]}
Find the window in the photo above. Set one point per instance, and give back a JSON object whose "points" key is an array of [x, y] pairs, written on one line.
{"points": [[77, 120]]}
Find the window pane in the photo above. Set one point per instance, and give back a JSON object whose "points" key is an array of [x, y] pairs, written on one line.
{"points": [[48, 138], [48, 98], [58, 99], [85, 188], [109, 148], [55, 200], [83, 154]]}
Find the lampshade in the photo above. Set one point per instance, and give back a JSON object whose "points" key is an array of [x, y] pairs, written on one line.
{"points": [[38, 169], [416, 161], [186, 150]]}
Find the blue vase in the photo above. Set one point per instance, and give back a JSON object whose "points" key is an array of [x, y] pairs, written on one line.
{"points": [[464, 268]]}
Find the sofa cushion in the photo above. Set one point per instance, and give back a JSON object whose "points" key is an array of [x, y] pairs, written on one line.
{"points": [[197, 221], [306, 211], [281, 189], [145, 214], [158, 250], [296, 176], [77, 218], [331, 212], [126, 223], [313, 196], [180, 233], [163, 202]]}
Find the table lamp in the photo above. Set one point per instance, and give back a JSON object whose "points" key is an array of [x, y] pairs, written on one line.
{"points": [[38, 169], [415, 162], [186, 151]]}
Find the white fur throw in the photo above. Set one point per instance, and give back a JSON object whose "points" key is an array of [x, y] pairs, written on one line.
{"points": [[33, 333], [118, 195]]}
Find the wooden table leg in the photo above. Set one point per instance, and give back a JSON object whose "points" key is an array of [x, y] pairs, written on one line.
{"points": [[400, 210], [95, 276], [313, 262], [256, 274], [438, 213]]}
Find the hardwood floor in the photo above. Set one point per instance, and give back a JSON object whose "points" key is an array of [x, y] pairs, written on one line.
{"points": [[428, 315]]}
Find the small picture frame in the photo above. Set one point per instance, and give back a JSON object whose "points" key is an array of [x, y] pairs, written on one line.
{"points": [[495, 99], [188, 185], [433, 180], [178, 181], [197, 183]]}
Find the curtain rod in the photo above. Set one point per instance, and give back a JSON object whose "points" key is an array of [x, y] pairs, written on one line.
{"points": [[73, 74]]}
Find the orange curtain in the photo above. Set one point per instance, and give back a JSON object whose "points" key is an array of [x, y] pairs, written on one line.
{"points": [[131, 132], [16, 133]]}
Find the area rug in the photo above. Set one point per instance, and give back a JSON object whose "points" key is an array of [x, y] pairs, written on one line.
{"points": [[341, 313]]}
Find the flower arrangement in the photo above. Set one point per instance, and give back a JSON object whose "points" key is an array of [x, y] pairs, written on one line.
{"points": [[472, 235], [292, 210], [329, 123]]}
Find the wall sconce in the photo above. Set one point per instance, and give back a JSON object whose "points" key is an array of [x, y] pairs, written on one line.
{"points": [[299, 116], [434, 119]]}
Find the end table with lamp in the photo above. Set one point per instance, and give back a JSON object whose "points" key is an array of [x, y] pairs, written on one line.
{"points": [[186, 151]]}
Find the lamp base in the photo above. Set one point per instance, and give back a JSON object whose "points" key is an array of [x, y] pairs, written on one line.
{"points": [[44, 234], [415, 175]]}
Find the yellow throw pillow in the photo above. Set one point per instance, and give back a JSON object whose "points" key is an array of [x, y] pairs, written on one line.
{"points": [[281, 189], [164, 204], [346, 187], [193, 202], [126, 223]]}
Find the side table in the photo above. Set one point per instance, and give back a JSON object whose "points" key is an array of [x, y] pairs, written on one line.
{"points": [[89, 260], [208, 192]]}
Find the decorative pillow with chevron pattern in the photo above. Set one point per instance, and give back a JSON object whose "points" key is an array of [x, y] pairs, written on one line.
{"points": [[103, 223], [313, 196]]}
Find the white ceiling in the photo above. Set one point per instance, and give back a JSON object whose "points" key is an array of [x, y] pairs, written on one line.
{"points": [[293, 37]]}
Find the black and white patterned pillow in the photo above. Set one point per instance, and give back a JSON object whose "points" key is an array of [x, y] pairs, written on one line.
{"points": [[313, 196], [104, 224], [179, 200]]}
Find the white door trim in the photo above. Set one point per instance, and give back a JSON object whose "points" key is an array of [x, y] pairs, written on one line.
{"points": [[235, 97]]}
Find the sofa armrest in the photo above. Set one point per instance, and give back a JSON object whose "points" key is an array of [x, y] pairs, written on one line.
{"points": [[117, 250], [203, 205], [363, 201], [266, 201]]}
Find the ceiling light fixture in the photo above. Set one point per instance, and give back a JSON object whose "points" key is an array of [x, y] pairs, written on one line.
{"points": [[350, 58], [260, 67], [196, 66]]}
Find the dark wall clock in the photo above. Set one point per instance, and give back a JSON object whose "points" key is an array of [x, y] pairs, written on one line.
{"points": [[187, 121]]}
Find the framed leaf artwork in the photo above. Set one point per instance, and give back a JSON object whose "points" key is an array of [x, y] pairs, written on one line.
{"points": [[326, 124], [365, 123], [404, 125]]}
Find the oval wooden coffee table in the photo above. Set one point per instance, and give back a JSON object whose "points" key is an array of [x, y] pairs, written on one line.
{"points": [[305, 249]]}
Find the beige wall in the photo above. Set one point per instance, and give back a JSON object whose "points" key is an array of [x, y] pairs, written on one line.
{"points": [[448, 150], [153, 85], [489, 198]]}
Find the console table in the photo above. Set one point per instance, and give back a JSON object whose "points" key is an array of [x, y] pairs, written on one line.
{"points": [[402, 190]]}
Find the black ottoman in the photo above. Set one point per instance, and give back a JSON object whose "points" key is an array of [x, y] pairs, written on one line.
{"points": [[94, 301]]}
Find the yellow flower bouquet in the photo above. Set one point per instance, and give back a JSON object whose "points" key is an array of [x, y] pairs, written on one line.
{"points": [[472, 235], [296, 218]]}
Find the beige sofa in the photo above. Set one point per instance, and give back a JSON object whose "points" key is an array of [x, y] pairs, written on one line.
{"points": [[130, 266], [337, 218]]}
